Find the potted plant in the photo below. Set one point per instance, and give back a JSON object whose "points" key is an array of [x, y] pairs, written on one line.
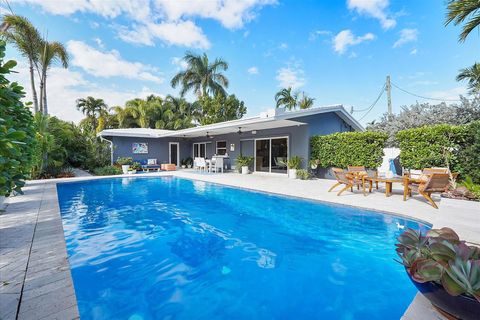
{"points": [[183, 162], [244, 162], [314, 164], [293, 165], [444, 269], [303, 174], [189, 162], [125, 162], [134, 167]]}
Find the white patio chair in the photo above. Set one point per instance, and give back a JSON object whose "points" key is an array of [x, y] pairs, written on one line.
{"points": [[218, 164], [202, 164]]}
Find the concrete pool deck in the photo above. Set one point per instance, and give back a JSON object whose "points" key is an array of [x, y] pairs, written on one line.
{"points": [[35, 278]]}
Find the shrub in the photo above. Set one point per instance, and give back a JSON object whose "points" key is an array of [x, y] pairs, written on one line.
{"points": [[244, 161], [349, 148], [107, 171], [469, 156], [294, 162], [438, 146], [17, 135], [124, 161], [303, 174]]}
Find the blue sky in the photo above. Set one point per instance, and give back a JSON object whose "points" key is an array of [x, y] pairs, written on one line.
{"points": [[337, 51]]}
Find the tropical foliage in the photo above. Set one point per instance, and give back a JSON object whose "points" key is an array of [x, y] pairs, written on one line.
{"points": [[441, 257], [466, 12], [201, 76], [472, 76], [219, 108], [291, 100], [419, 115], [40, 53], [348, 149], [94, 110], [17, 136]]}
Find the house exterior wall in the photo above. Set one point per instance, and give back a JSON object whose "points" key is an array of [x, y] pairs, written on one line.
{"points": [[298, 140]]}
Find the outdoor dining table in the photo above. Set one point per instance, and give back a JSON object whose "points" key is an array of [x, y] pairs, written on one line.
{"points": [[388, 183]]}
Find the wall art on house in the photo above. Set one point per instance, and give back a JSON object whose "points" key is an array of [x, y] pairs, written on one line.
{"points": [[139, 147]]}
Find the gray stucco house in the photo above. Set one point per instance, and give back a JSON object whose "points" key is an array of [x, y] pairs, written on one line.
{"points": [[270, 137]]}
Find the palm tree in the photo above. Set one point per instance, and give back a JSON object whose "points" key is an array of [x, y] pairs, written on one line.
{"points": [[50, 52], [121, 114], [140, 111], [19, 31], [286, 98], [472, 76], [93, 109], [305, 102], [464, 10], [201, 76]]}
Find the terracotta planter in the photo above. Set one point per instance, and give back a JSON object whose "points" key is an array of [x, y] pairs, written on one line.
{"points": [[460, 307]]}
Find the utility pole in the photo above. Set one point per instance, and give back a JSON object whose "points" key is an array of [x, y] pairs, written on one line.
{"points": [[388, 87]]}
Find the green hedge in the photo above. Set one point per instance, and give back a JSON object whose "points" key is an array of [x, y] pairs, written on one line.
{"points": [[349, 148], [469, 156], [16, 131], [429, 146]]}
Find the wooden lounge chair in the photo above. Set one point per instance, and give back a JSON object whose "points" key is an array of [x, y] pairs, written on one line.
{"points": [[358, 172], [436, 182], [344, 178]]}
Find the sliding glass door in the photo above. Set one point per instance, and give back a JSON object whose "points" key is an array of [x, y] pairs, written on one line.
{"points": [[199, 149], [262, 155], [271, 155]]}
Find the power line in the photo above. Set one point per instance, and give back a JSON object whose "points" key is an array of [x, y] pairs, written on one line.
{"points": [[374, 103], [423, 97], [361, 110]]}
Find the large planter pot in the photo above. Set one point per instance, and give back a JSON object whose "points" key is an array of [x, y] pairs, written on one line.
{"points": [[125, 168], [461, 307], [244, 169], [292, 173]]}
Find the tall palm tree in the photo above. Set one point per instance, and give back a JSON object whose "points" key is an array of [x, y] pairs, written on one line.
{"points": [[201, 76], [464, 10], [93, 109], [19, 31], [50, 52], [286, 98], [140, 110], [305, 102], [472, 76], [121, 114]]}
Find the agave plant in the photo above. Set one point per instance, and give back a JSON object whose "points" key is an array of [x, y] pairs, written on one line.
{"points": [[441, 257]]}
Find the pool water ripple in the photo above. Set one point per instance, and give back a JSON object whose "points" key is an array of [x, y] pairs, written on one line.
{"points": [[169, 248]]}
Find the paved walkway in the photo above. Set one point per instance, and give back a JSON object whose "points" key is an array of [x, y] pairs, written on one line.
{"points": [[35, 279]]}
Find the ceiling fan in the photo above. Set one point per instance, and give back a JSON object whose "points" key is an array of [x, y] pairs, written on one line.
{"points": [[239, 130], [209, 136]]}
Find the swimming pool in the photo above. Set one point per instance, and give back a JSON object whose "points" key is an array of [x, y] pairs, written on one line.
{"points": [[164, 248]]}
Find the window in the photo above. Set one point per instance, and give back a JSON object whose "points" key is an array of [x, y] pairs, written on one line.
{"points": [[199, 149], [221, 148]]}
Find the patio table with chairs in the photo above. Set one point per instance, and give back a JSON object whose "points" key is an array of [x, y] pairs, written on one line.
{"points": [[430, 180], [215, 164]]}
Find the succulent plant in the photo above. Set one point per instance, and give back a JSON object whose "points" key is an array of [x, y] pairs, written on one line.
{"points": [[440, 256]]}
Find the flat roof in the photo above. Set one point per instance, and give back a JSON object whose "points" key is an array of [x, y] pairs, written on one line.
{"points": [[274, 118]]}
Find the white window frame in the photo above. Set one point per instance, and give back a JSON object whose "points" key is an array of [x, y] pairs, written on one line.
{"points": [[199, 143], [170, 152], [216, 146], [270, 153]]}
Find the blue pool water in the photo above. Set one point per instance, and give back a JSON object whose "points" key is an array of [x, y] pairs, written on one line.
{"points": [[169, 248]]}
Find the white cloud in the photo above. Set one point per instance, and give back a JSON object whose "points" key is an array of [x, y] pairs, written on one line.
{"points": [[283, 46], [252, 70], [346, 38], [375, 9], [179, 62], [108, 64], [353, 55], [182, 33], [166, 20], [232, 14], [289, 77], [66, 86], [406, 36], [99, 42], [414, 51]]}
